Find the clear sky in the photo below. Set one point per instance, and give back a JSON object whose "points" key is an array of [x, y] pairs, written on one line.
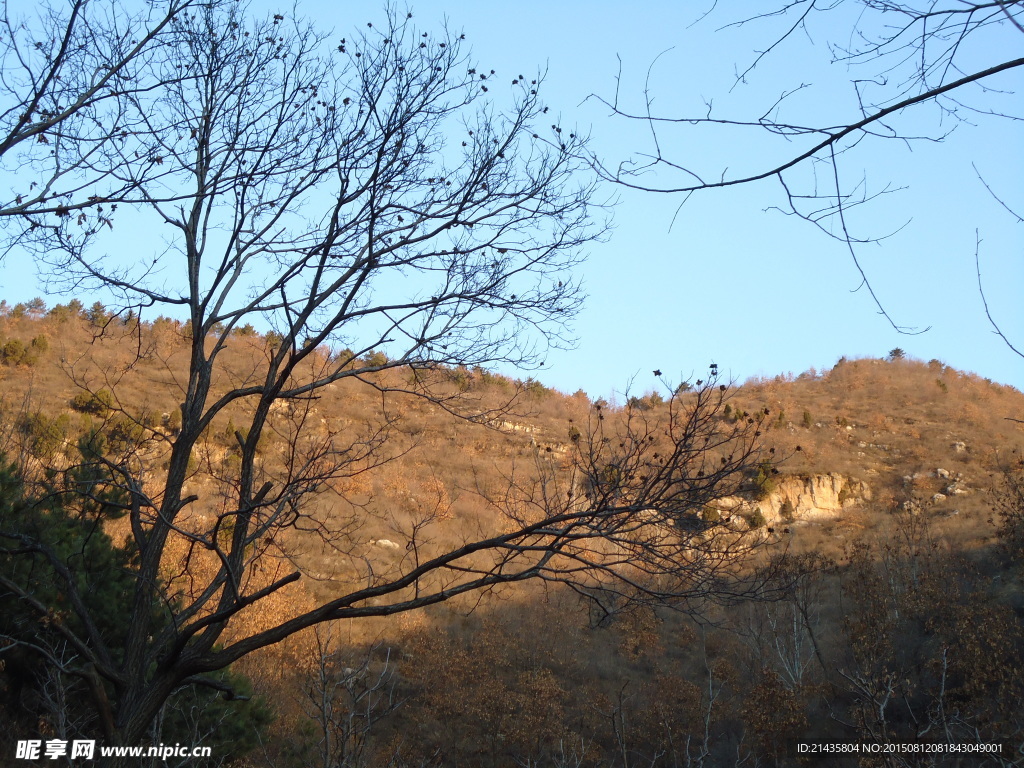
{"points": [[753, 290]]}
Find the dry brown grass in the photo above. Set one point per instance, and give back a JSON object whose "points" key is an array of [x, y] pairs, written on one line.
{"points": [[527, 661], [890, 424]]}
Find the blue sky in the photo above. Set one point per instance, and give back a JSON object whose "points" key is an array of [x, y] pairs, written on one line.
{"points": [[730, 282], [758, 292]]}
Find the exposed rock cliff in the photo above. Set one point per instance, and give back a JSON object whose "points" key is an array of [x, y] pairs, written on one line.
{"points": [[817, 497]]}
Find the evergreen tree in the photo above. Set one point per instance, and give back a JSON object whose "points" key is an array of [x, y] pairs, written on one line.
{"points": [[63, 579]]}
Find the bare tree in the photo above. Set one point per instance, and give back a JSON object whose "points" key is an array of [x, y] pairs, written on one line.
{"points": [[901, 58], [371, 192], [69, 71], [1008, 505], [910, 670], [348, 703], [783, 635]]}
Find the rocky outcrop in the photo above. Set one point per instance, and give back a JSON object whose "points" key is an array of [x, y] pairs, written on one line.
{"points": [[817, 497]]}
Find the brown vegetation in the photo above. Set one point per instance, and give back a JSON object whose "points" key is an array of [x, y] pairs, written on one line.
{"points": [[898, 624]]}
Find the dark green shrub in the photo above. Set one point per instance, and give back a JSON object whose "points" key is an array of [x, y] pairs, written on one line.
{"points": [[92, 444], [764, 480], [99, 403], [646, 403], [734, 413], [149, 418], [61, 535], [787, 511], [124, 434], [756, 519], [163, 324], [376, 359], [36, 308], [535, 389], [82, 402], [61, 313], [461, 378], [808, 420], [98, 315], [274, 340], [226, 436], [13, 352], [45, 435]]}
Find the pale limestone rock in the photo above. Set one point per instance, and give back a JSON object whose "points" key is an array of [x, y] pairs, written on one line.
{"points": [[818, 497]]}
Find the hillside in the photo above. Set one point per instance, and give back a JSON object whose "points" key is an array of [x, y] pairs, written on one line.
{"points": [[889, 425], [872, 498]]}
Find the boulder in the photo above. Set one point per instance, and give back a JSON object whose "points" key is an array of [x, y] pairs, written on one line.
{"points": [[911, 506]]}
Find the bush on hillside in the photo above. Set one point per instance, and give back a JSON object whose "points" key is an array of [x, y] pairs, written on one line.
{"points": [[45, 435], [764, 480], [13, 352], [99, 403], [787, 511]]}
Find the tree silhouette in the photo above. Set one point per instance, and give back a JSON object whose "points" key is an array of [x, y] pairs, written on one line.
{"points": [[67, 130], [372, 201]]}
